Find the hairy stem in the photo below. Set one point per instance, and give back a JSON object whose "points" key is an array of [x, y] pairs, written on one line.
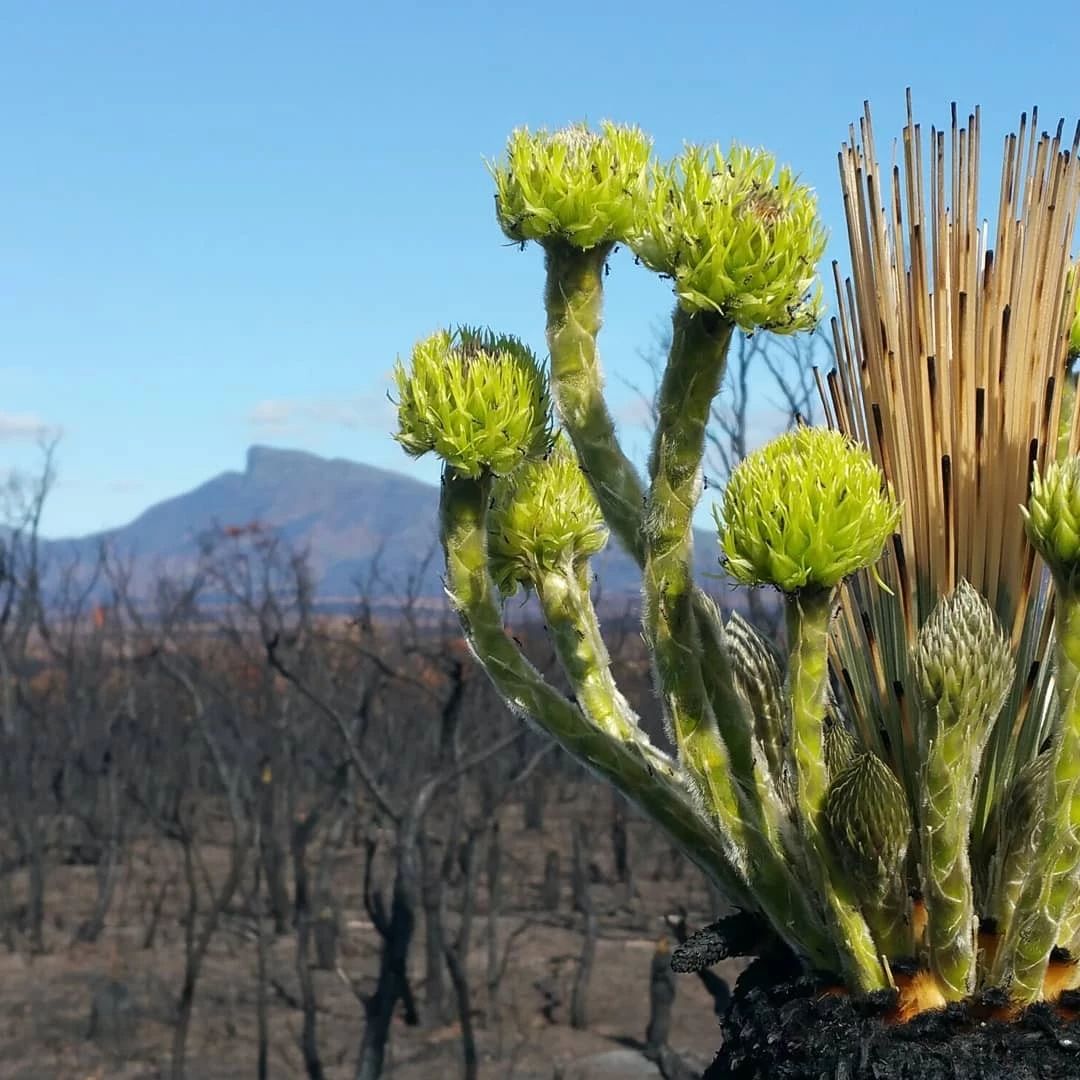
{"points": [[736, 790], [575, 631], [946, 786], [890, 921], [665, 799], [1050, 889], [573, 298], [808, 615], [1013, 842]]}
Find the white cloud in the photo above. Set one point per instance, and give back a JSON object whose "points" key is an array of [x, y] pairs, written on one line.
{"points": [[279, 415], [20, 427], [271, 414]]}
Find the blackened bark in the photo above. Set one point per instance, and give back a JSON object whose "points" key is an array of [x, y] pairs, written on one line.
{"points": [[461, 991], [270, 849], [549, 892], [436, 1008], [535, 801], [619, 838], [583, 903], [396, 930], [661, 998], [493, 872], [579, 873]]}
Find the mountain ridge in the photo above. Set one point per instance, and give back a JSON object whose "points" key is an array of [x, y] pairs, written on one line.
{"points": [[345, 513]]}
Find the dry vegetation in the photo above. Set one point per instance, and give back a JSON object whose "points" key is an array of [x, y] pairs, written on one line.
{"points": [[49, 998], [237, 838]]}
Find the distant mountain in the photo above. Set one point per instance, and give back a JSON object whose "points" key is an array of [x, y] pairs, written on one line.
{"points": [[343, 513]]}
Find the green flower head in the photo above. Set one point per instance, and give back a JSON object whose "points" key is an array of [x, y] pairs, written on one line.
{"points": [[544, 517], [575, 185], [479, 400], [804, 512], [736, 238], [1053, 519], [962, 658]]}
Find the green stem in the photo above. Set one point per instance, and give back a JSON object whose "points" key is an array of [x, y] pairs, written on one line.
{"points": [[665, 799], [1051, 886], [572, 623], [719, 759], [945, 828], [1011, 839], [573, 297], [808, 616], [696, 659], [890, 920]]}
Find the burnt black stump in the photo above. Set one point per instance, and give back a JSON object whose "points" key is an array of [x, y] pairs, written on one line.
{"points": [[786, 1030]]}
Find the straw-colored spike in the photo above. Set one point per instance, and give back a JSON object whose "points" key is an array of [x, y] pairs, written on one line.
{"points": [[950, 367]]}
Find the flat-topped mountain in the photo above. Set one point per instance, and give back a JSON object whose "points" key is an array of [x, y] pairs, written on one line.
{"points": [[343, 513]]}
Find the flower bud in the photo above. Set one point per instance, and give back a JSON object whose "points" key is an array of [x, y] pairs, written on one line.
{"points": [[868, 821], [576, 186], [1052, 516], [544, 517], [962, 659], [805, 511], [1016, 819], [735, 238], [841, 746], [759, 680], [480, 401]]}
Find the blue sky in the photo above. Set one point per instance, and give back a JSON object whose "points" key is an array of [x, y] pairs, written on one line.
{"points": [[220, 223]]}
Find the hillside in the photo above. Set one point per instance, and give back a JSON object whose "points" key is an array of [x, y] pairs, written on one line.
{"points": [[345, 514]]}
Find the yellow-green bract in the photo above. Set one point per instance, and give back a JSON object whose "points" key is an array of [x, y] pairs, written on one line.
{"points": [[962, 658], [868, 820], [574, 185], [1053, 518], [480, 401], [736, 238], [805, 511], [544, 517]]}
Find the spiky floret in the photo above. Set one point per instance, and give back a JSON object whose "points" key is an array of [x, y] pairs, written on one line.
{"points": [[868, 821], [963, 670], [1052, 516], [868, 817], [1012, 839], [736, 238], [479, 400], [802, 513], [805, 511], [574, 185], [962, 660], [839, 743], [544, 517], [759, 679]]}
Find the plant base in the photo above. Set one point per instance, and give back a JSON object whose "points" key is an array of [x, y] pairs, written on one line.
{"points": [[788, 1031]]}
